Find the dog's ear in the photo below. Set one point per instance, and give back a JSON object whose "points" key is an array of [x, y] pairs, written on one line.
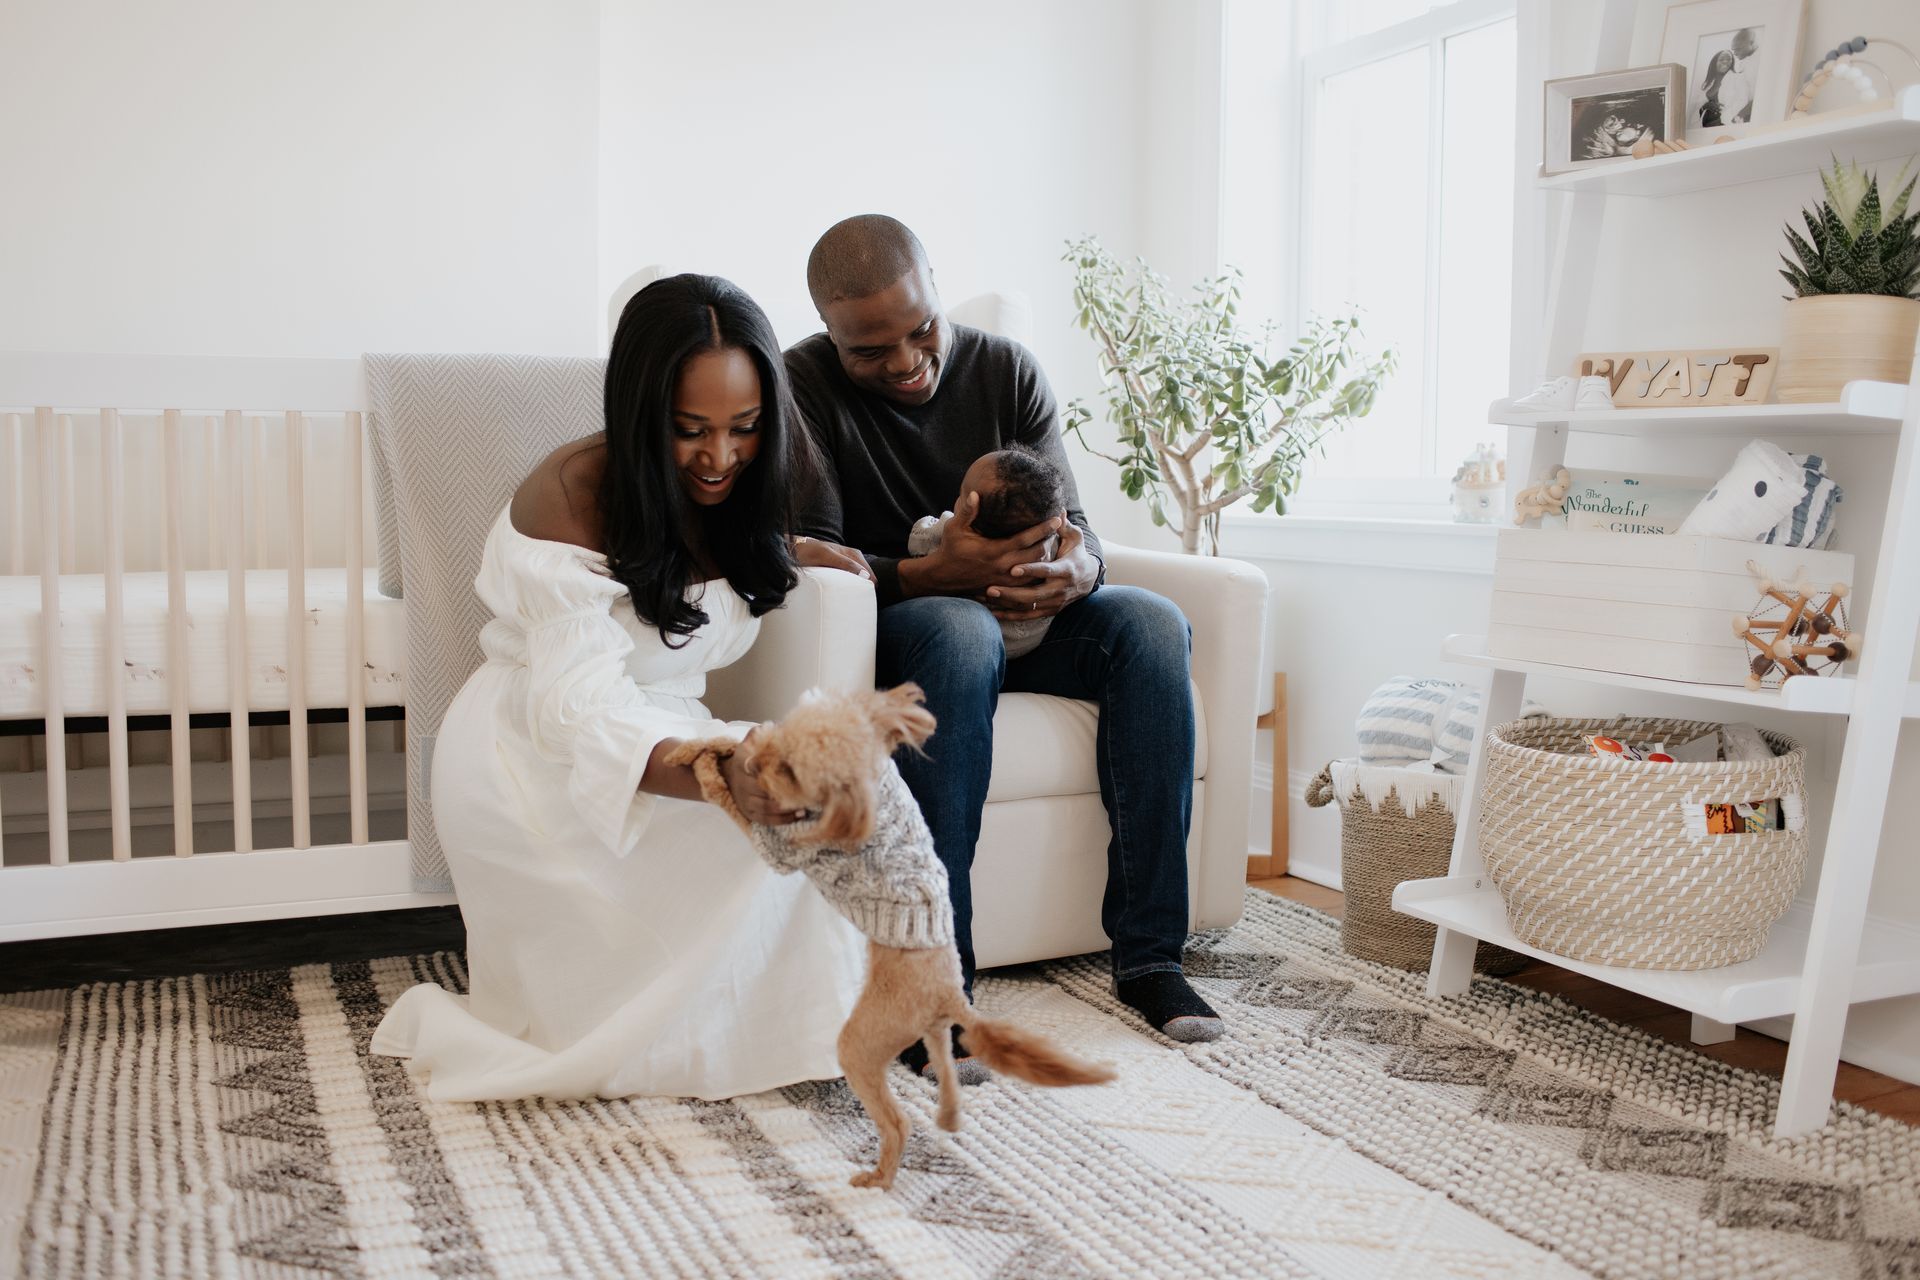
{"points": [[760, 746], [899, 718], [846, 814]]}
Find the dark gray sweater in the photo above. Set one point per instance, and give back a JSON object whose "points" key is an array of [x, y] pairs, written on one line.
{"points": [[887, 465]]}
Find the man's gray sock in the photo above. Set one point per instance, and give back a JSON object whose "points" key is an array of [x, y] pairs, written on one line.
{"points": [[1171, 1006]]}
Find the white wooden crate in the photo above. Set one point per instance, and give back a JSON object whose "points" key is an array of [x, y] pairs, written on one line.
{"points": [[1639, 604]]}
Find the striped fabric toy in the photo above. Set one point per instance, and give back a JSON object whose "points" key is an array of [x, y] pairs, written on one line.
{"points": [[1811, 522], [1413, 721]]}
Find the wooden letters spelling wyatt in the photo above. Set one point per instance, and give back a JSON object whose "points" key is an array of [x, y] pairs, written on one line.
{"points": [[1683, 379]]}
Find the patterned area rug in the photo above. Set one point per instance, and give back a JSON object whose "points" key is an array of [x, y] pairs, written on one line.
{"points": [[1348, 1127]]}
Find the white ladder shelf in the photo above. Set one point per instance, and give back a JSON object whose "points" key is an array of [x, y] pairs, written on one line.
{"points": [[1821, 959]]}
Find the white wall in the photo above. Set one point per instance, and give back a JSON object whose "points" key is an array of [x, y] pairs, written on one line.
{"points": [[223, 177], [235, 178], [733, 133]]}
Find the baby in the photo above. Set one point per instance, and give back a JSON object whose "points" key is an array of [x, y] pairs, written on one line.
{"points": [[1018, 489]]}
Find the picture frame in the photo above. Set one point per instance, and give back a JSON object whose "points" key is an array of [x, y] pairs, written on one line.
{"points": [[1742, 59], [1596, 119]]}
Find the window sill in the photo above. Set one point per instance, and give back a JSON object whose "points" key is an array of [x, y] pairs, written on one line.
{"points": [[1428, 546]]}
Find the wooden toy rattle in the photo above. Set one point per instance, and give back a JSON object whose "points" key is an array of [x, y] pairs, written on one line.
{"points": [[1808, 639]]}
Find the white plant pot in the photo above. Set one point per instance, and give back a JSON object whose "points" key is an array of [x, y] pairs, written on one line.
{"points": [[1831, 340]]}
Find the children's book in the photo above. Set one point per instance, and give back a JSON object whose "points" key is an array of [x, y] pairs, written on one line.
{"points": [[1627, 502]]}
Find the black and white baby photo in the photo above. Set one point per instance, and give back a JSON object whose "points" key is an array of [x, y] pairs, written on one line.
{"points": [[1609, 125]]}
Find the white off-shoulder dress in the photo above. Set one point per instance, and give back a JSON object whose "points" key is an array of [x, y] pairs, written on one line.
{"points": [[618, 943]]}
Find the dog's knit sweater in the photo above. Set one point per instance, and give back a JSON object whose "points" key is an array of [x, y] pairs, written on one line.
{"points": [[892, 887]]}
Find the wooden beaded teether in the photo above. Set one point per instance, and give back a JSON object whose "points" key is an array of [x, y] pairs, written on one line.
{"points": [[1844, 63], [1548, 498]]}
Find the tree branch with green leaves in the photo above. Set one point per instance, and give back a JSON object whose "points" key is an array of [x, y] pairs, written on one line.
{"points": [[1202, 408]]}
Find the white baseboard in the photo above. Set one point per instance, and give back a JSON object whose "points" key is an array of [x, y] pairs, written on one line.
{"points": [[209, 888], [1315, 851]]}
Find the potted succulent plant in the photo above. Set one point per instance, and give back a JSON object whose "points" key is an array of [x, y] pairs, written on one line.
{"points": [[1204, 409], [1855, 278]]}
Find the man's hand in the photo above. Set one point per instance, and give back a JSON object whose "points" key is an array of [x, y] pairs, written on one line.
{"points": [[744, 782], [815, 553], [1053, 584], [966, 564]]}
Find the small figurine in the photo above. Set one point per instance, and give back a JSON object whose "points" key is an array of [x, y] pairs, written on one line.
{"points": [[1479, 485]]}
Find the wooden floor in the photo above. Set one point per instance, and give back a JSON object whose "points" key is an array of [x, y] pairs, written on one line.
{"points": [[1747, 1049]]}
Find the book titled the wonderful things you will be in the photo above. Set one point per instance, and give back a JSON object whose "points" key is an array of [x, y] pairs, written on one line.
{"points": [[1628, 502]]}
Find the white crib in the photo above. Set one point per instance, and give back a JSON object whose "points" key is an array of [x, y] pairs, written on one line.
{"points": [[196, 661], [192, 645]]}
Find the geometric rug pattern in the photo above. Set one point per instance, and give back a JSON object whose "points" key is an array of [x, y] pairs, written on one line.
{"points": [[1347, 1126]]}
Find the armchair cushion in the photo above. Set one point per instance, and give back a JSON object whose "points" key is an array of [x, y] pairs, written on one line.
{"points": [[1043, 746]]}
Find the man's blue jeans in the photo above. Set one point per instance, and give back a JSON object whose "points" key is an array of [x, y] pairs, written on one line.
{"points": [[1121, 647]]}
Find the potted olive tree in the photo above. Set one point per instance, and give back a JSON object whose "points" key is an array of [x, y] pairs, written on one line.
{"points": [[1204, 409], [1855, 278]]}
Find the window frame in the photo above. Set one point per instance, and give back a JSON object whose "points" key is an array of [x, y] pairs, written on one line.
{"points": [[1397, 497]]}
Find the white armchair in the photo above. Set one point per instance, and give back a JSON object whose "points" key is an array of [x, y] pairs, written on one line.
{"points": [[1041, 865]]}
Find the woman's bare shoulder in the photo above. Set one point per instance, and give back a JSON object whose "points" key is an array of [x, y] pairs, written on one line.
{"points": [[560, 500]]}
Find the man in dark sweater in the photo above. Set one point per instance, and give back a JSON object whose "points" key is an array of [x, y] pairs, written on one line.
{"points": [[900, 403]]}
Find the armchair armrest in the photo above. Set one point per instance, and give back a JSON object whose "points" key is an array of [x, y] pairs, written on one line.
{"points": [[822, 637], [1226, 603]]}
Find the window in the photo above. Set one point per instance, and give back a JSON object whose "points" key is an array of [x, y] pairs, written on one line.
{"points": [[1406, 211]]}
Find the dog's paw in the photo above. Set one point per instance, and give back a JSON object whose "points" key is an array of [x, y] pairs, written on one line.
{"points": [[871, 1178]]}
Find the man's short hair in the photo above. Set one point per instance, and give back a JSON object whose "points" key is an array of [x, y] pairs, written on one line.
{"points": [[860, 256], [1030, 489]]}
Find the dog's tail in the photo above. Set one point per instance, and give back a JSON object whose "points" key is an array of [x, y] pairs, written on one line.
{"points": [[1028, 1055]]}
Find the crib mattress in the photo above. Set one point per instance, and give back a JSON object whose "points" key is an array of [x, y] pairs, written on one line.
{"points": [[145, 675]]}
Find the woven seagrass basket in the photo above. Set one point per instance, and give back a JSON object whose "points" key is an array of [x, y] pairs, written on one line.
{"points": [[1381, 845], [1594, 857]]}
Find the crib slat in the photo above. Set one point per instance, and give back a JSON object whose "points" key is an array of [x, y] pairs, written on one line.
{"points": [[356, 641], [297, 627], [257, 433], [236, 552], [17, 507], [69, 540], [46, 451], [113, 564], [211, 487], [262, 739], [179, 728]]}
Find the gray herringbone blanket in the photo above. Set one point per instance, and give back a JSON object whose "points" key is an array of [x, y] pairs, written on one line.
{"points": [[453, 436]]}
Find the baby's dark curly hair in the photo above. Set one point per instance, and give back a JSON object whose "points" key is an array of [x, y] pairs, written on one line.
{"points": [[1030, 490]]}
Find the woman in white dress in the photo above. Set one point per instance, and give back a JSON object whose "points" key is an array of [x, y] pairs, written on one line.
{"points": [[622, 936]]}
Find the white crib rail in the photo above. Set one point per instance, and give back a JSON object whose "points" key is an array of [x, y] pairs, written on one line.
{"points": [[56, 730], [238, 406], [179, 726]]}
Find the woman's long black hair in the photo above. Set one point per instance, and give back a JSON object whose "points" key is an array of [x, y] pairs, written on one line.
{"points": [[650, 526]]}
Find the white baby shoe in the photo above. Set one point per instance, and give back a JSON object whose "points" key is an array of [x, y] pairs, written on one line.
{"points": [[1594, 393], [1554, 393], [1591, 392]]}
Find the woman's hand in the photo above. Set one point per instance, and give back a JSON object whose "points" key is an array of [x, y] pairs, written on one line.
{"points": [[744, 784], [814, 553]]}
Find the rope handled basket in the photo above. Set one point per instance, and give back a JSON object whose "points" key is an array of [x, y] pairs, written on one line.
{"points": [[1402, 833], [1604, 860]]}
